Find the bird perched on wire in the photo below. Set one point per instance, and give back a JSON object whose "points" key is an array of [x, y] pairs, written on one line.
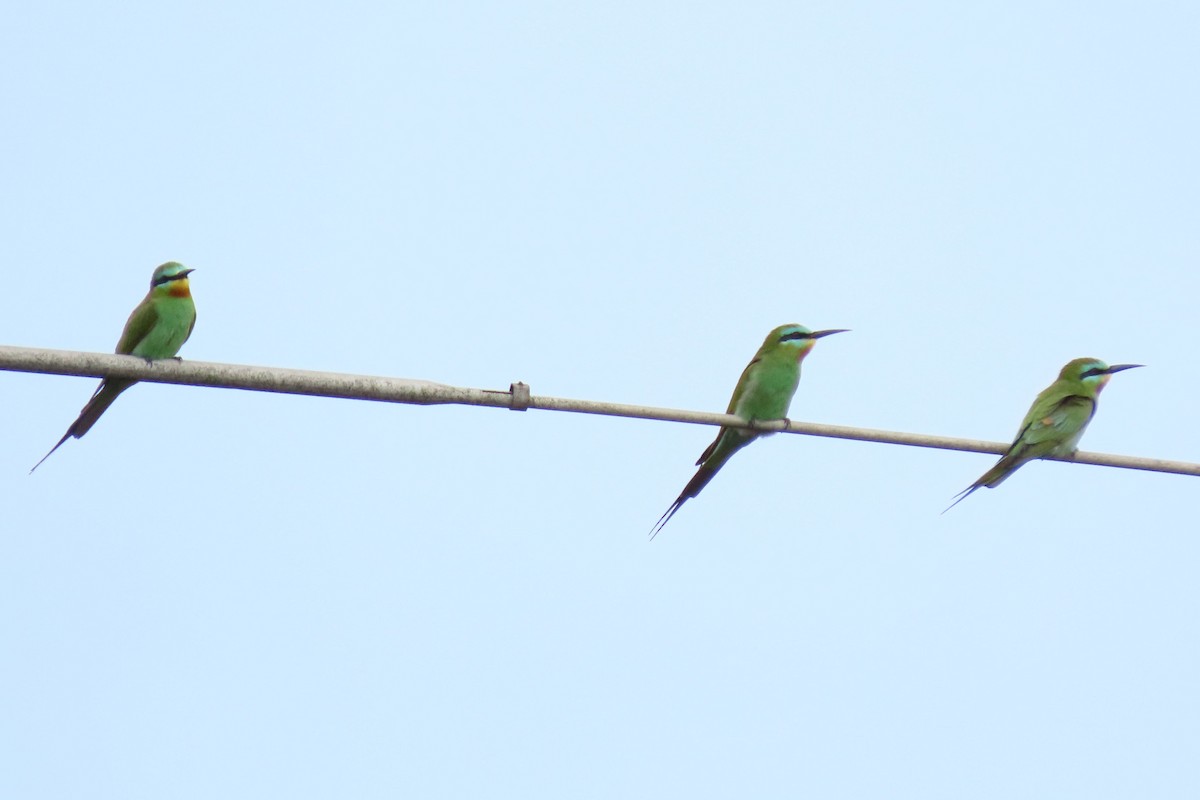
{"points": [[764, 392], [1055, 422], [157, 328]]}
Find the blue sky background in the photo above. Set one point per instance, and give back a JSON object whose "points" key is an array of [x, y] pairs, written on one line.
{"points": [[228, 594]]}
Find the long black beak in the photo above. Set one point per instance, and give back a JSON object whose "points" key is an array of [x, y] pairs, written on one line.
{"points": [[819, 334], [1119, 367], [183, 274]]}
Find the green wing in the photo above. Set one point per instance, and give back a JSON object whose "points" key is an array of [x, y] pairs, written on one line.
{"points": [[742, 383], [1047, 428], [140, 323], [735, 436]]}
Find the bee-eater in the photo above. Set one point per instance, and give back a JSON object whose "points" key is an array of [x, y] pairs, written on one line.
{"points": [[157, 328], [764, 392], [1055, 422]]}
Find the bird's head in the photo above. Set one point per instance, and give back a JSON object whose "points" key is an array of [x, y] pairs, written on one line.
{"points": [[171, 279], [796, 338], [1092, 372]]}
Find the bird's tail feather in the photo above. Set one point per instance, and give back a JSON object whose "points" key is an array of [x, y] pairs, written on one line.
{"points": [[66, 436], [693, 488], [108, 391], [963, 495], [992, 478], [105, 394]]}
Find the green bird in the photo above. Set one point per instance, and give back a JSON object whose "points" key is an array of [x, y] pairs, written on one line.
{"points": [[1055, 422], [764, 392], [157, 328]]}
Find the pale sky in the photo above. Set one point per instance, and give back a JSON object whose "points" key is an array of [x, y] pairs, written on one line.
{"points": [[239, 595]]}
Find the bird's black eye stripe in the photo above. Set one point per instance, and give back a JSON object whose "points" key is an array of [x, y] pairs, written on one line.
{"points": [[1091, 373], [169, 278], [793, 336]]}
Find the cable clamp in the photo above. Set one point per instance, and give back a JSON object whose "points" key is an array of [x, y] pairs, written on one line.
{"points": [[520, 396]]}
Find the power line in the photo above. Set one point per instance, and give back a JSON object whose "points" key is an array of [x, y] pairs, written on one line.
{"points": [[517, 397]]}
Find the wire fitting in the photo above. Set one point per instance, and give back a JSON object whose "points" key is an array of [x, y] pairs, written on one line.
{"points": [[520, 396]]}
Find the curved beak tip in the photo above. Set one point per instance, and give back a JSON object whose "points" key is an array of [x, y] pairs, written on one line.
{"points": [[1120, 367], [819, 334]]}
